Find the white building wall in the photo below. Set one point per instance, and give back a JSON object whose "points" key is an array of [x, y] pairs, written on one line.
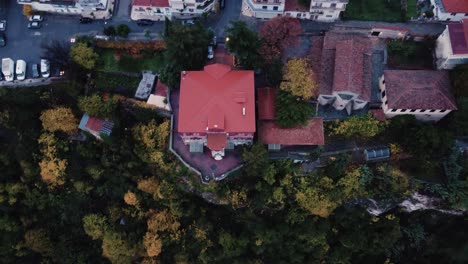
{"points": [[266, 10], [432, 115], [53, 8], [151, 13]]}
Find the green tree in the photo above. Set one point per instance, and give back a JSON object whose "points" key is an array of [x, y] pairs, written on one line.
{"points": [[109, 31], [95, 225], [118, 248], [84, 55], [244, 44], [38, 240], [122, 30], [291, 111], [256, 159], [95, 105], [298, 79], [167, 27], [59, 119], [186, 50], [358, 126]]}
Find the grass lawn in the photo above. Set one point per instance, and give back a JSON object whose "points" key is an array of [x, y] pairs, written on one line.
{"points": [[410, 55], [116, 83], [126, 63], [379, 10]]}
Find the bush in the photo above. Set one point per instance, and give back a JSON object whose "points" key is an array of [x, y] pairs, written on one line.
{"points": [[123, 30], [116, 83], [109, 31], [291, 111]]}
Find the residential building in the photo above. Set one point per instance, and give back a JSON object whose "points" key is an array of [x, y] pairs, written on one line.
{"points": [[452, 46], [72, 7], [263, 8], [424, 94], [159, 9], [295, 140], [155, 10], [97, 127], [450, 10], [319, 10], [159, 97], [345, 71], [216, 109]]}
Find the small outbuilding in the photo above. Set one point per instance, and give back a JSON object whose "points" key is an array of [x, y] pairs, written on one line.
{"points": [[377, 154]]}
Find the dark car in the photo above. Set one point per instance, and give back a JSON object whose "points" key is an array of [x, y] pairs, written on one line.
{"points": [[35, 70], [145, 22], [2, 39], [86, 20]]}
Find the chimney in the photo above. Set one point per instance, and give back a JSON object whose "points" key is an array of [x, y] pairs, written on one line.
{"points": [[243, 111]]}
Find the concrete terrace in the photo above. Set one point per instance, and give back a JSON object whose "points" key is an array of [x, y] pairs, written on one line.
{"points": [[209, 168]]}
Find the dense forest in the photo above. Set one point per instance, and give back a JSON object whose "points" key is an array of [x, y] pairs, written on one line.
{"points": [[128, 200]]}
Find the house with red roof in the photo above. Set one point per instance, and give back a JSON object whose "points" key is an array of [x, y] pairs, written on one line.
{"points": [[450, 10], [96, 126], [452, 46], [424, 94], [345, 71], [319, 10], [159, 9], [277, 138], [216, 109]]}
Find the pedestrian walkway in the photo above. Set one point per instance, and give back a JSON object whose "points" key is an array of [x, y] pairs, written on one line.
{"points": [[30, 82]]}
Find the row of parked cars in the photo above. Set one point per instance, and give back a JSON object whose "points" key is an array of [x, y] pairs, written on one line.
{"points": [[10, 69]]}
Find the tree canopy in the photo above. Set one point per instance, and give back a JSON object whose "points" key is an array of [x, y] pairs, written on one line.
{"points": [[59, 119], [95, 105], [291, 111], [84, 55], [299, 79], [244, 44], [358, 126]]}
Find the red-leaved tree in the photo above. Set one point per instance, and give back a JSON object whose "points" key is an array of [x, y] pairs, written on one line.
{"points": [[277, 34]]}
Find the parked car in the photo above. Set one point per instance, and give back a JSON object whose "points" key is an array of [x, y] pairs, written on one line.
{"points": [[188, 22], [34, 25], [145, 22], [2, 39], [3, 25], [45, 68], [35, 70], [214, 41], [37, 18], [86, 20], [20, 70], [210, 52]]}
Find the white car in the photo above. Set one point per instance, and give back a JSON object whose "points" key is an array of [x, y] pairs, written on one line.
{"points": [[45, 68], [36, 18], [188, 22], [20, 70], [3, 25], [210, 52]]}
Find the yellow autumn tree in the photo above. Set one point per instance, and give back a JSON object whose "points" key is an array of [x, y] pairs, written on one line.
{"points": [[27, 10], [152, 244], [150, 186], [298, 79], [130, 198], [59, 119], [38, 241], [152, 142], [362, 126], [52, 168]]}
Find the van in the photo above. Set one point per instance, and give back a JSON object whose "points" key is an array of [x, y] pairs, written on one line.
{"points": [[45, 68], [20, 70]]}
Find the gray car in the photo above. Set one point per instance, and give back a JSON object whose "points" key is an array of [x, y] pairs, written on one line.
{"points": [[35, 70], [34, 25]]}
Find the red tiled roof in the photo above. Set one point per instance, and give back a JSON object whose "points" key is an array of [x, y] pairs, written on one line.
{"points": [[295, 6], [458, 33], [218, 96], [410, 89], [156, 3], [222, 56], [345, 64], [216, 141], [161, 89], [311, 134], [349, 68], [266, 103], [94, 124], [455, 6]]}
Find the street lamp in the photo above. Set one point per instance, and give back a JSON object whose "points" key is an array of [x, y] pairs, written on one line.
{"points": [[227, 39], [72, 40], [62, 73]]}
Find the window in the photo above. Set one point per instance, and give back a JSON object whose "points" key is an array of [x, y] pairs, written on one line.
{"points": [[432, 111], [422, 111], [288, 14], [448, 19], [383, 94], [453, 14], [386, 102], [264, 7], [443, 111], [190, 10], [276, 1], [466, 14], [298, 15], [333, 5], [275, 8], [413, 110], [403, 110], [329, 16], [393, 110]]}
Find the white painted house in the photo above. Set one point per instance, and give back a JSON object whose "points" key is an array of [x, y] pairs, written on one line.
{"points": [[424, 94], [319, 10], [70, 7], [450, 10], [157, 10], [452, 46]]}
